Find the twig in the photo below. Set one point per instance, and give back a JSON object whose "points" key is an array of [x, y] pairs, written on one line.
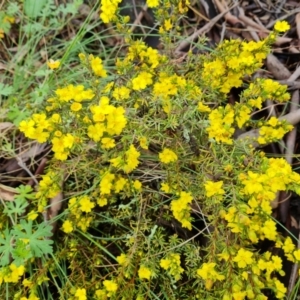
{"points": [[139, 17], [277, 68], [250, 22], [230, 18], [38, 171], [294, 11], [292, 85], [295, 75], [24, 167], [185, 43], [223, 32], [294, 272]]}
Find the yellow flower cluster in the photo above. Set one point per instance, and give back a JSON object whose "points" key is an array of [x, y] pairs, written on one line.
{"points": [[253, 222], [95, 63], [181, 209], [147, 58], [48, 188], [111, 184], [36, 128], [221, 121], [130, 161], [167, 85], [11, 273], [141, 81], [273, 130], [231, 62], [262, 89], [108, 10], [62, 144], [145, 62], [261, 188], [208, 273], [77, 206], [107, 119], [97, 66], [110, 288], [171, 263], [71, 92]]}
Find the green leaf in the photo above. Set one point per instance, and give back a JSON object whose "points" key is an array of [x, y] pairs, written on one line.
{"points": [[33, 8], [6, 247], [37, 238], [4, 25], [16, 207], [16, 115], [12, 8], [21, 253], [25, 192], [5, 89]]}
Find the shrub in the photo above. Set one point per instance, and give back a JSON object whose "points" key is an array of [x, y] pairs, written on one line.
{"points": [[160, 201]]}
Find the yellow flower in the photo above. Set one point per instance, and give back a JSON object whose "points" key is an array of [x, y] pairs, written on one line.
{"points": [[102, 201], [167, 156], [132, 161], [107, 143], [121, 93], [97, 66], [288, 245], [53, 64], [76, 106], [152, 3], [81, 294], [214, 188], [144, 273], [68, 140], [165, 187], [27, 283], [168, 24], [207, 271], [280, 289], [67, 226], [141, 81], [137, 185], [85, 204], [282, 26], [203, 108], [121, 259], [110, 286], [32, 215], [243, 258], [165, 263], [143, 142]]}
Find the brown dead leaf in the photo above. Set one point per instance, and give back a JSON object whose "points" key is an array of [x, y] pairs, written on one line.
{"points": [[5, 126], [278, 70], [294, 223], [7, 193], [3, 66]]}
